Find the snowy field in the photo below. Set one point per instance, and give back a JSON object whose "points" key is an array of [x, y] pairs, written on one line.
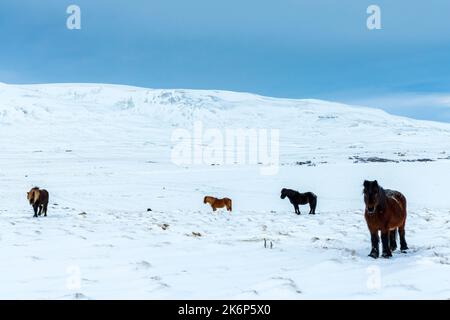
{"points": [[104, 154]]}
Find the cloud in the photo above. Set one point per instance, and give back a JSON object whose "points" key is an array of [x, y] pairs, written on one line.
{"points": [[408, 100], [426, 106]]}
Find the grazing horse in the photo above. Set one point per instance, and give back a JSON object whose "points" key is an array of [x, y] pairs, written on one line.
{"points": [[39, 200], [218, 203], [297, 198], [386, 212]]}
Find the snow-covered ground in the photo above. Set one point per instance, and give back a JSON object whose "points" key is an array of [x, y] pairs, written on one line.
{"points": [[104, 154]]}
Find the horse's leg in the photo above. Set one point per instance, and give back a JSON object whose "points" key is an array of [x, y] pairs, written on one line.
{"points": [[297, 210], [393, 240], [311, 208], [315, 205], [375, 252], [40, 210], [403, 245], [35, 208], [385, 243], [45, 209]]}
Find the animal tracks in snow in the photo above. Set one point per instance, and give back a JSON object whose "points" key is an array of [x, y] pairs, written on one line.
{"points": [[166, 252]]}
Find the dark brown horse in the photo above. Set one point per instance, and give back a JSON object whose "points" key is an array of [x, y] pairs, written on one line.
{"points": [[39, 200], [386, 212]]}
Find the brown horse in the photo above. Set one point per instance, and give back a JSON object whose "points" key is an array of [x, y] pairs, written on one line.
{"points": [[386, 212], [39, 200], [218, 203]]}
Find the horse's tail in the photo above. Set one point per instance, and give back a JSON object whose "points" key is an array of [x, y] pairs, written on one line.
{"points": [[314, 204], [229, 204], [402, 199], [313, 197]]}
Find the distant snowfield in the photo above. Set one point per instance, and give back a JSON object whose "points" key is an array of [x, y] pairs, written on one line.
{"points": [[103, 152]]}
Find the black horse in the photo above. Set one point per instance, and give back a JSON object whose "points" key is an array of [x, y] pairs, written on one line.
{"points": [[297, 198]]}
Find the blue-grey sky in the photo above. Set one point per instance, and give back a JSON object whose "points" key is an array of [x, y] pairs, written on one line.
{"points": [[284, 48]]}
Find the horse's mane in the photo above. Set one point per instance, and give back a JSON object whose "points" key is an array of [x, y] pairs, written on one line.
{"points": [[209, 199], [290, 192], [34, 195], [382, 199]]}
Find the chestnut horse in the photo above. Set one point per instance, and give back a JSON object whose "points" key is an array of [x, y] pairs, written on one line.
{"points": [[386, 212], [39, 200], [218, 203]]}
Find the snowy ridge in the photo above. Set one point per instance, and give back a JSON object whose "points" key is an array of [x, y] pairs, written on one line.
{"points": [[349, 131]]}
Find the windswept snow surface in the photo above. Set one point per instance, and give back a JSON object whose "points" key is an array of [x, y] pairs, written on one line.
{"points": [[104, 154]]}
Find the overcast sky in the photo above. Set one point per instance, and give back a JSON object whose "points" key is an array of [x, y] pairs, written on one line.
{"points": [[285, 48]]}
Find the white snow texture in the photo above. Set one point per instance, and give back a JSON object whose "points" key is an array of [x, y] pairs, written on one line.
{"points": [[104, 154]]}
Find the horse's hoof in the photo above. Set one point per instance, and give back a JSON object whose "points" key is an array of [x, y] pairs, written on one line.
{"points": [[374, 254], [386, 255]]}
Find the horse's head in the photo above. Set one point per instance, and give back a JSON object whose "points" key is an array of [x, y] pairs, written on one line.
{"points": [[206, 199], [371, 195], [283, 193]]}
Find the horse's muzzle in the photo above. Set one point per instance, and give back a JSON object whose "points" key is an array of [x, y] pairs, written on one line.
{"points": [[371, 210]]}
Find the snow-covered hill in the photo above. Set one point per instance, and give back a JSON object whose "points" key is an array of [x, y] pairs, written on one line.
{"points": [[104, 153]]}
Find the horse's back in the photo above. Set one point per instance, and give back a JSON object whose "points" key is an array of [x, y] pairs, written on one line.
{"points": [[227, 201], [397, 195], [398, 205], [44, 196], [219, 202], [308, 197], [311, 195]]}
